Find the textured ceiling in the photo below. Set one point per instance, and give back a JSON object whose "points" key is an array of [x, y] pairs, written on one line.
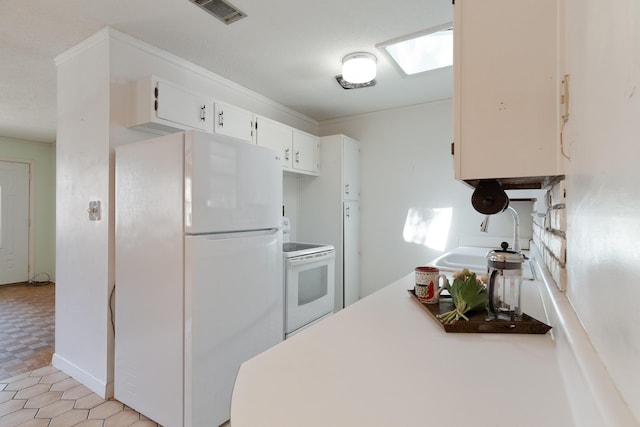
{"points": [[286, 50]]}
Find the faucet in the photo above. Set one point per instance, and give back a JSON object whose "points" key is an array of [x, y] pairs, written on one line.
{"points": [[484, 224], [516, 228]]}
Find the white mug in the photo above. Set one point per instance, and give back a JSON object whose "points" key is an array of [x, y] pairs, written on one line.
{"points": [[428, 286]]}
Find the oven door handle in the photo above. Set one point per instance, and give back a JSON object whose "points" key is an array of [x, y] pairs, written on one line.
{"points": [[305, 259]]}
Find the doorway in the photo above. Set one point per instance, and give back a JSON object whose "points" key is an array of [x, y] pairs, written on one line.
{"points": [[14, 222], [26, 311], [27, 328]]}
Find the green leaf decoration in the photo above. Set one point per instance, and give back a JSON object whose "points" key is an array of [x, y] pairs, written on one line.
{"points": [[468, 294]]}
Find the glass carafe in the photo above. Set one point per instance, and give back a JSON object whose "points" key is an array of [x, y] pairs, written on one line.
{"points": [[504, 284]]}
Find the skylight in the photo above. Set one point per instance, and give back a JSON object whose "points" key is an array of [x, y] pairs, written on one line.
{"points": [[423, 51]]}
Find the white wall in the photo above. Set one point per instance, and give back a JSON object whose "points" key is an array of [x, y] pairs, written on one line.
{"points": [[603, 200], [43, 160], [83, 335], [290, 202], [406, 163]]}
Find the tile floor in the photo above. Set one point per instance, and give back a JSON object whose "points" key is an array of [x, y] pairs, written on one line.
{"points": [[26, 328], [47, 397], [32, 392]]}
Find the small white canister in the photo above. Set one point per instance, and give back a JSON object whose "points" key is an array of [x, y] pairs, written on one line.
{"points": [[428, 285]]}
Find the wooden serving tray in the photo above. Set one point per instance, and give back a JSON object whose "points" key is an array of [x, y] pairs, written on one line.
{"points": [[477, 322]]}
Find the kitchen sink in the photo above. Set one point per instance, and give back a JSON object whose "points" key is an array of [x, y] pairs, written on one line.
{"points": [[472, 258]]}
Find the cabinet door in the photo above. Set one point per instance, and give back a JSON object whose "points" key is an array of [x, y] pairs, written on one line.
{"points": [[186, 109], [306, 152], [350, 169], [351, 252], [506, 88], [278, 136], [233, 121]]}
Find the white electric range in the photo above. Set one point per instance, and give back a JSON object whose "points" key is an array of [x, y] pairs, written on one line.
{"points": [[309, 283]]}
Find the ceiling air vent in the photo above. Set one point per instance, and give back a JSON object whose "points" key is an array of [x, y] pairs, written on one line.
{"points": [[222, 10]]}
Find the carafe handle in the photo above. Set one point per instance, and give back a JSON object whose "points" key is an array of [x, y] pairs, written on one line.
{"points": [[490, 291]]}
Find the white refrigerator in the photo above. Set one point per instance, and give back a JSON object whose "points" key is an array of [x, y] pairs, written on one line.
{"points": [[198, 284]]}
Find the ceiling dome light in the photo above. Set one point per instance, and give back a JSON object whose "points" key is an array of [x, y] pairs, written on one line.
{"points": [[359, 67]]}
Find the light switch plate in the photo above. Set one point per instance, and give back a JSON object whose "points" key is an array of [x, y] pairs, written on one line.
{"points": [[94, 210]]}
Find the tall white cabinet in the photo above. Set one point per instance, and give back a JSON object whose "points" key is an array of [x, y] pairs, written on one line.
{"points": [[329, 211]]}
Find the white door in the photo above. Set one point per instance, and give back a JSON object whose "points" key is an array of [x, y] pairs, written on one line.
{"points": [[351, 169], [306, 151], [233, 121], [230, 185], [309, 288], [351, 253], [234, 310], [185, 108], [14, 222], [277, 136]]}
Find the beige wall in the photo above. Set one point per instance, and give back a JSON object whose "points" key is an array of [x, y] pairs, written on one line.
{"points": [[42, 158]]}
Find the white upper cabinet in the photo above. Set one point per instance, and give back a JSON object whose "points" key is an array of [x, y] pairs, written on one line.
{"points": [[306, 152], [233, 121], [276, 135], [299, 150], [507, 84], [161, 106]]}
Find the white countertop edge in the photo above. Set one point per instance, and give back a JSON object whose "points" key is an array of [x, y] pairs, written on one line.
{"points": [[601, 403]]}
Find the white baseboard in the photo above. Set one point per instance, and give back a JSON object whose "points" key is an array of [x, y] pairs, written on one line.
{"points": [[102, 389]]}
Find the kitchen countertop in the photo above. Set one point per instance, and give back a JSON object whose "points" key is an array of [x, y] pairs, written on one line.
{"points": [[384, 361]]}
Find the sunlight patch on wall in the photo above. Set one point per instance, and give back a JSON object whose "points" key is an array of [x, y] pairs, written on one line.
{"points": [[428, 227]]}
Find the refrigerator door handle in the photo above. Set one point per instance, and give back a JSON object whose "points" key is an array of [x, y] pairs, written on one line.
{"points": [[236, 234]]}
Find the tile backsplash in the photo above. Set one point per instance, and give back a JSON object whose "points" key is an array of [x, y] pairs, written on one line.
{"points": [[550, 232]]}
